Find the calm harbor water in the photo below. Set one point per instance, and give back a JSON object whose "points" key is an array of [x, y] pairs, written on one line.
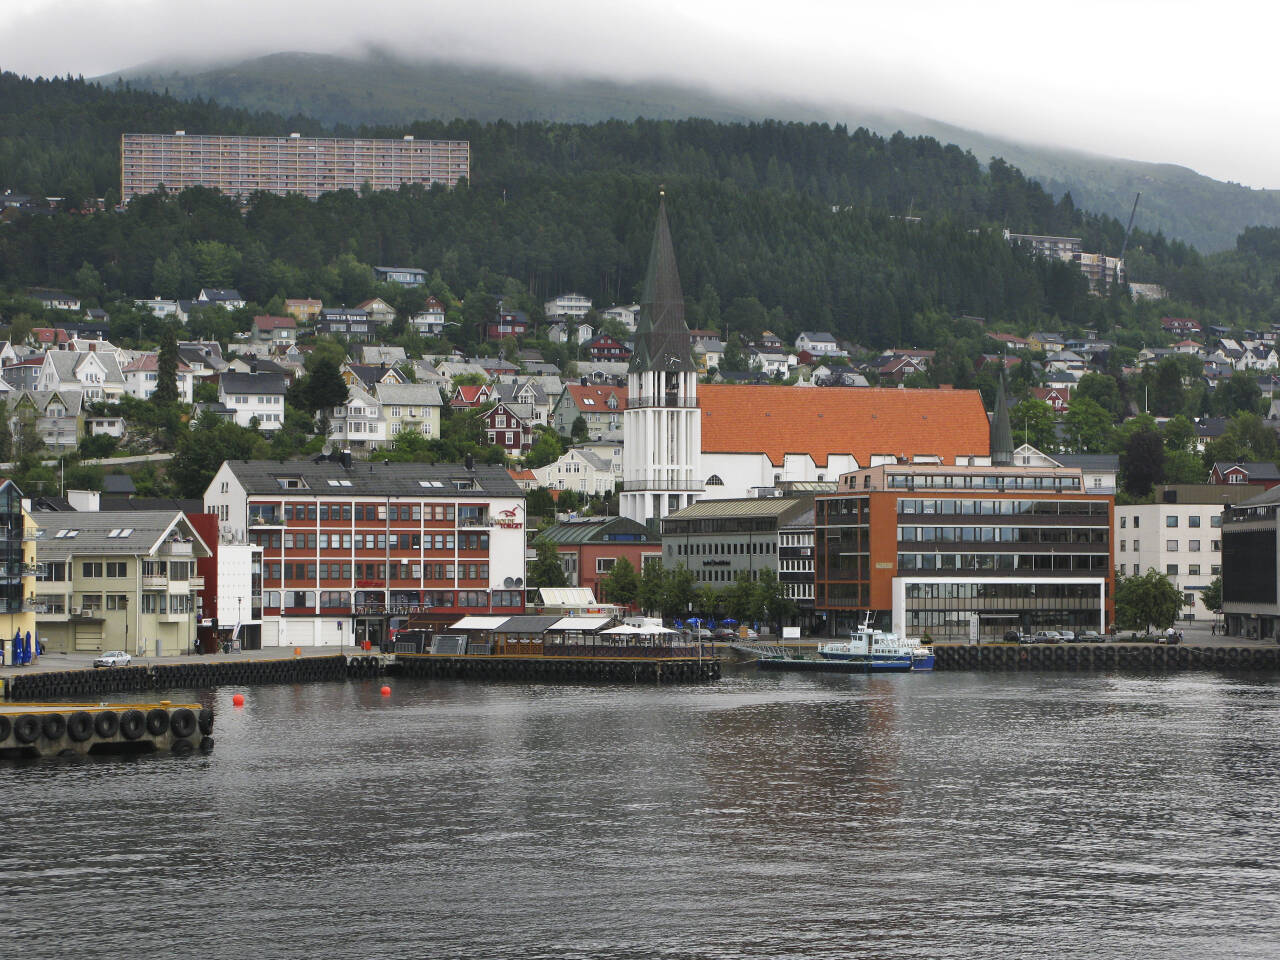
{"points": [[952, 815]]}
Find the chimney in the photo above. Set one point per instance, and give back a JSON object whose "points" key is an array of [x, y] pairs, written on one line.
{"points": [[346, 459], [471, 463]]}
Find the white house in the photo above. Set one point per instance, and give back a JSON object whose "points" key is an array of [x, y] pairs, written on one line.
{"points": [[142, 373], [226, 298], [624, 314], [359, 424], [254, 395], [97, 374], [581, 470], [573, 305], [429, 322], [817, 343], [158, 307], [773, 364]]}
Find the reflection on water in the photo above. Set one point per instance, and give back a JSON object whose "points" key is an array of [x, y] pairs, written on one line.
{"points": [[953, 815]]}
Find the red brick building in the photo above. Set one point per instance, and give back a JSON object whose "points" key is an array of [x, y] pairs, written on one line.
{"points": [[590, 546]]}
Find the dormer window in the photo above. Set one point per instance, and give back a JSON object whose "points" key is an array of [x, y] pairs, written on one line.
{"points": [[291, 483]]}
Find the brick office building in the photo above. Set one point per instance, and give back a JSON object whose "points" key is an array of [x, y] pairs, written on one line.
{"points": [[353, 550]]}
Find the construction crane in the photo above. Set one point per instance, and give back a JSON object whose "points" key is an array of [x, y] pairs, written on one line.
{"points": [[1127, 230]]}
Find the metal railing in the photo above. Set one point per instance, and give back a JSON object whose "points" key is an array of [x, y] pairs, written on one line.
{"points": [[691, 486], [640, 403]]}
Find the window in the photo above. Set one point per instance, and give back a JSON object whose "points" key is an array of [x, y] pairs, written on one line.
{"points": [[1170, 521], [1122, 546], [1193, 570], [1171, 546], [1215, 546], [91, 570], [118, 569], [1194, 546], [1137, 522], [1216, 520], [1214, 570], [1193, 521], [605, 564], [1124, 522], [1171, 569]]}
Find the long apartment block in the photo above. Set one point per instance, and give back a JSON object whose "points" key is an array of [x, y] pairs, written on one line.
{"points": [[294, 164]]}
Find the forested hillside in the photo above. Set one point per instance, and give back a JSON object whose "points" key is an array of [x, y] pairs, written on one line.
{"points": [[558, 207], [380, 88]]}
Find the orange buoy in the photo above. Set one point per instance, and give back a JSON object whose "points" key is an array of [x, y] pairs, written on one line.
{"points": [[386, 691], [297, 651], [238, 699]]}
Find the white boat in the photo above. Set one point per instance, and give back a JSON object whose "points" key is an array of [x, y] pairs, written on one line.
{"points": [[886, 650]]}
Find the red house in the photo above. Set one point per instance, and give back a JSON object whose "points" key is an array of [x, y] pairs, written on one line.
{"points": [[1057, 397], [590, 546], [471, 395], [1261, 475], [604, 347], [508, 323], [510, 426]]}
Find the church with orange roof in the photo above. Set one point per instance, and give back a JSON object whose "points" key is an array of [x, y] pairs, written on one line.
{"points": [[685, 441]]}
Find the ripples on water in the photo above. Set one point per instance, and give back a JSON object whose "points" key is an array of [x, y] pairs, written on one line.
{"points": [[953, 815]]}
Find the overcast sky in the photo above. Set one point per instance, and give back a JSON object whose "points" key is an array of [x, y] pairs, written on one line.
{"points": [[1161, 80]]}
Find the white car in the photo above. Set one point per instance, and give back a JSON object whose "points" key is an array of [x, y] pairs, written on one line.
{"points": [[113, 658]]}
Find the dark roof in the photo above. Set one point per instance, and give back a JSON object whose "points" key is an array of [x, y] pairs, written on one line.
{"points": [[369, 478], [124, 501], [599, 530], [527, 624], [1257, 471], [118, 483], [253, 383], [662, 336]]}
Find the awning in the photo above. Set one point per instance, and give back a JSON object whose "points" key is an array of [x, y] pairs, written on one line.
{"points": [[479, 623], [588, 624]]}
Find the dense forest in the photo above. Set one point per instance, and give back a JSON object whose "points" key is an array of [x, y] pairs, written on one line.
{"points": [[880, 240], [380, 87]]}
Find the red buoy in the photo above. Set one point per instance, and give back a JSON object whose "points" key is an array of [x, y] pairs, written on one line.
{"points": [[386, 691], [238, 699]]}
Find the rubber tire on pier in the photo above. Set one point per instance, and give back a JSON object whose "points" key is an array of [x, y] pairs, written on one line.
{"points": [[206, 721], [182, 748], [206, 745], [132, 724], [80, 726], [107, 724], [53, 726], [157, 721], [182, 723], [6, 727], [26, 728]]}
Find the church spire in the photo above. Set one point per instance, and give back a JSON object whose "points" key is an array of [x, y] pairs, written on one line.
{"points": [[662, 336], [1001, 432]]}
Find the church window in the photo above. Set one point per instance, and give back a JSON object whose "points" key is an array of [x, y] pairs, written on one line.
{"points": [[714, 481]]}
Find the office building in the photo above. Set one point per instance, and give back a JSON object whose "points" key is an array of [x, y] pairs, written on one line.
{"points": [[964, 553], [1180, 535], [239, 166], [352, 550], [1250, 588]]}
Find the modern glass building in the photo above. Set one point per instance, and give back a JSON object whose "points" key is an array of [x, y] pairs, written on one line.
{"points": [[960, 553]]}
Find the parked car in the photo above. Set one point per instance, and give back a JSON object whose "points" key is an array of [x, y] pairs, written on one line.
{"points": [[113, 658], [1068, 636], [1090, 636], [1048, 636]]}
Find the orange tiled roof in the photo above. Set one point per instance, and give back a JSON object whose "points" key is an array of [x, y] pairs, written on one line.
{"points": [[819, 421]]}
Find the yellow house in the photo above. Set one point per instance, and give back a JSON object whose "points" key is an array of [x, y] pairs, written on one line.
{"points": [[119, 580], [19, 607]]}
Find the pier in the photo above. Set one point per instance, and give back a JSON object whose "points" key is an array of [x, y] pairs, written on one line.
{"points": [[81, 729], [1080, 657]]}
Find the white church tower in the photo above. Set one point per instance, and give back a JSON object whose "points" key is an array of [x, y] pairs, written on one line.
{"points": [[662, 426]]}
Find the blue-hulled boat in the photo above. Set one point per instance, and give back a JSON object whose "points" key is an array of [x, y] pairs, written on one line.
{"points": [[879, 651]]}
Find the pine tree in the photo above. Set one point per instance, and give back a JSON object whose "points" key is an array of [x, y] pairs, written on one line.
{"points": [[166, 391]]}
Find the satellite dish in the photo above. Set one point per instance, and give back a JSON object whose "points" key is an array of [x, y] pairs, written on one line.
{"points": [[509, 582], [519, 581]]}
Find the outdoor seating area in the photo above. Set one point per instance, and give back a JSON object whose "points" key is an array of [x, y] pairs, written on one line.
{"points": [[574, 636]]}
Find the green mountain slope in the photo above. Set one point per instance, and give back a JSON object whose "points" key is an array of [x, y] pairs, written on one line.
{"points": [[380, 89]]}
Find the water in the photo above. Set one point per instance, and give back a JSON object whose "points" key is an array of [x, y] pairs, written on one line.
{"points": [[952, 815]]}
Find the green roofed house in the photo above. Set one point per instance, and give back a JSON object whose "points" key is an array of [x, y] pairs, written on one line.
{"points": [[590, 546]]}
